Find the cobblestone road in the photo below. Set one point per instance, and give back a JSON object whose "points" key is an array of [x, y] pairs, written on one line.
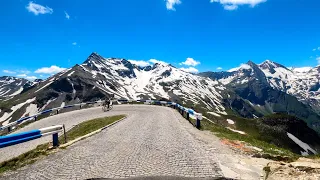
{"points": [[152, 141], [70, 119]]}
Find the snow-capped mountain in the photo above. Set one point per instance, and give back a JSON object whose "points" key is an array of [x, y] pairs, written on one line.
{"points": [[12, 86], [126, 80], [302, 83], [99, 77], [250, 90], [269, 87]]}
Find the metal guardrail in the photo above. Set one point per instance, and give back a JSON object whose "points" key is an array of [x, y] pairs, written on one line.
{"points": [[189, 112], [18, 138], [34, 117]]}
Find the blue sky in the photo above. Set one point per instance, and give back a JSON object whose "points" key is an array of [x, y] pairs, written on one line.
{"points": [[42, 37]]}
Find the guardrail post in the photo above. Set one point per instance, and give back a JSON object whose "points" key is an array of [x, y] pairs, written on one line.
{"points": [[198, 123], [188, 116], [64, 134], [35, 118], [199, 118], [9, 129], [55, 140], [57, 111]]}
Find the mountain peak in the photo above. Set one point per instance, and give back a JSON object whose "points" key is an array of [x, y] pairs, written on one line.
{"points": [[271, 64], [250, 62], [93, 57]]}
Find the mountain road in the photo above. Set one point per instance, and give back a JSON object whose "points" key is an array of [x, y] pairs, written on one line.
{"points": [[151, 141]]}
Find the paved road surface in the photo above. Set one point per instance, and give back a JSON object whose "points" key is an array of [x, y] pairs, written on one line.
{"points": [[70, 119], [152, 141]]}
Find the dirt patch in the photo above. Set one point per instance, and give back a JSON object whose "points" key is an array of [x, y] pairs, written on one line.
{"points": [[303, 168], [238, 146]]}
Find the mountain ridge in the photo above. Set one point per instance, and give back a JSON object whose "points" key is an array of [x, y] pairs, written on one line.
{"points": [[210, 91], [247, 91]]}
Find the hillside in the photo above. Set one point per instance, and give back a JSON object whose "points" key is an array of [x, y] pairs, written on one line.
{"points": [[253, 93], [12, 86]]}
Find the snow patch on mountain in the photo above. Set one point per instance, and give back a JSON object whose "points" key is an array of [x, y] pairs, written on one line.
{"points": [[300, 82], [47, 104], [303, 145], [12, 86], [30, 110], [230, 121], [130, 81], [237, 131], [71, 73], [6, 115], [46, 85], [18, 91]]}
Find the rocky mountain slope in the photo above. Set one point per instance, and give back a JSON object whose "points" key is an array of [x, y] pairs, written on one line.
{"points": [[258, 90], [12, 86], [302, 83]]}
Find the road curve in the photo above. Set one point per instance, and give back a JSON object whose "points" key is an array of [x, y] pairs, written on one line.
{"points": [[152, 141], [69, 119]]}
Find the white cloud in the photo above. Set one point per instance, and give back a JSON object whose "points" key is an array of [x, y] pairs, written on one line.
{"points": [[233, 4], [154, 61], [190, 69], [242, 66], [9, 72], [219, 68], [38, 9], [318, 59], [139, 63], [314, 49], [67, 15], [190, 62], [74, 43], [147, 63], [22, 75], [50, 70], [31, 78], [171, 3], [24, 71], [230, 7]]}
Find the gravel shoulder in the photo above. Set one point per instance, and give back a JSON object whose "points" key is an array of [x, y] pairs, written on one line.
{"points": [[152, 141]]}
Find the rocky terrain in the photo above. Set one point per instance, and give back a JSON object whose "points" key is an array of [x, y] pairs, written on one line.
{"points": [[301, 169], [258, 90], [12, 86]]}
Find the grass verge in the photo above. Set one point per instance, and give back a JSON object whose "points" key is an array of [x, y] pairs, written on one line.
{"points": [[224, 133], [89, 126], [46, 149]]}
